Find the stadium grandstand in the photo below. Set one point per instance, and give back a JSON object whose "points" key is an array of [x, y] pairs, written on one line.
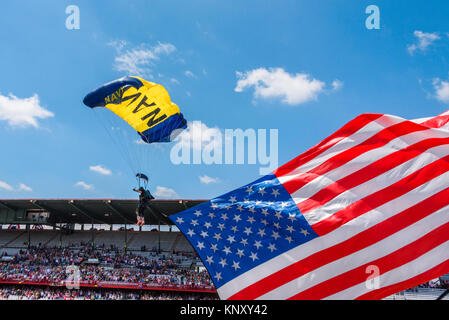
{"points": [[92, 250]]}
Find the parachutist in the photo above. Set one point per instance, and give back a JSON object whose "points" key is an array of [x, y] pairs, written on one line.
{"points": [[144, 198]]}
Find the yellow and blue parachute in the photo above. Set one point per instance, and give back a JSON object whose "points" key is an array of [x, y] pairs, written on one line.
{"points": [[144, 105]]}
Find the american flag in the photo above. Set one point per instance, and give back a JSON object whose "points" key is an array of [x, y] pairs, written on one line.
{"points": [[361, 215]]}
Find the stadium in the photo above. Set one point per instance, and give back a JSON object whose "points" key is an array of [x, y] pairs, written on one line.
{"points": [[224, 150], [89, 249], [92, 250]]}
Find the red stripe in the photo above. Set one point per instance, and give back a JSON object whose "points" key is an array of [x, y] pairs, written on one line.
{"points": [[430, 274], [376, 141], [374, 200], [358, 242], [369, 172], [347, 130], [389, 262]]}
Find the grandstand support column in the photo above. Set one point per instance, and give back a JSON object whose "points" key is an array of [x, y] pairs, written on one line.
{"points": [[29, 235], [126, 236]]}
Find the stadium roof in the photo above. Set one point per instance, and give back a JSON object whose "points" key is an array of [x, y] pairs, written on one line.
{"points": [[86, 211]]}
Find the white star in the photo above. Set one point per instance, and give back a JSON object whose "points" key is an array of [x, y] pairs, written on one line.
{"points": [[214, 206], [234, 228], [278, 215], [248, 231], [237, 218], [191, 232], [265, 222], [223, 262], [265, 212], [249, 189], [244, 241], [200, 245], [289, 239], [218, 276], [284, 204], [252, 210], [253, 256], [232, 199], [240, 253], [221, 226], [275, 235], [275, 193], [272, 247], [214, 247], [204, 234], [209, 260], [262, 191], [179, 220], [276, 225], [235, 265], [224, 216], [304, 232], [197, 213], [194, 222], [251, 220], [217, 236], [231, 239], [227, 250], [207, 225], [290, 229], [261, 232], [257, 244], [291, 217], [211, 215], [240, 208]]}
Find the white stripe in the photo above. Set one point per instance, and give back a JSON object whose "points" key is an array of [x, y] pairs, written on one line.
{"points": [[409, 270], [378, 250], [380, 182], [343, 233], [363, 134], [363, 160]]}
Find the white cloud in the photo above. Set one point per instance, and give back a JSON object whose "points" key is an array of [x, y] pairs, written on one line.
{"points": [[138, 60], [22, 112], [164, 192], [84, 185], [5, 186], [198, 135], [23, 187], [190, 74], [424, 41], [292, 89], [441, 90], [337, 84], [206, 179], [173, 80], [100, 169]]}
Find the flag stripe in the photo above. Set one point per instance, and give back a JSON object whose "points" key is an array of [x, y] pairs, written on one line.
{"points": [[386, 263], [369, 172], [347, 130], [347, 247], [383, 181], [378, 198], [377, 141], [374, 251], [432, 273], [343, 233]]}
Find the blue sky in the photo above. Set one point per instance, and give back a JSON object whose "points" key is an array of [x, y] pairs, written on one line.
{"points": [[305, 68]]}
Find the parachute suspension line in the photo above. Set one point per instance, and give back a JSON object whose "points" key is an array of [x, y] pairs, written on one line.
{"points": [[126, 158]]}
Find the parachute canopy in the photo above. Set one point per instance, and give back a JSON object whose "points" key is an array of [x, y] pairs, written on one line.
{"points": [[142, 177], [144, 105]]}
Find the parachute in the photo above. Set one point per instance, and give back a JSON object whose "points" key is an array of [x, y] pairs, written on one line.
{"points": [[144, 105], [137, 115]]}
